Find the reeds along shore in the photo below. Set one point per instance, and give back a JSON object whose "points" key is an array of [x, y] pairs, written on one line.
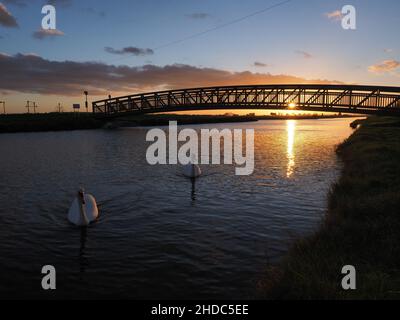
{"points": [[362, 226]]}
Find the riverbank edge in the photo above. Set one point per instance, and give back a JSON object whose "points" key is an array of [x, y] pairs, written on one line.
{"points": [[361, 228], [85, 121]]}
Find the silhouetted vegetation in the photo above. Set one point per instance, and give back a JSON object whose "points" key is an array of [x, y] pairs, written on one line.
{"points": [[362, 227], [163, 119], [79, 121], [48, 122]]}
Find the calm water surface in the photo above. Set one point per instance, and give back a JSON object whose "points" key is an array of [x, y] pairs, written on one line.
{"points": [[158, 236]]}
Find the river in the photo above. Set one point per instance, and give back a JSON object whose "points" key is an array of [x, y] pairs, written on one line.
{"points": [[158, 236]]}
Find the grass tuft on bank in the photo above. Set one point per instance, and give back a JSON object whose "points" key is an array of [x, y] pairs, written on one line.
{"points": [[362, 226]]}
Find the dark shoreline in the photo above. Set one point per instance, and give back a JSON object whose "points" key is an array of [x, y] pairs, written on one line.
{"points": [[361, 226], [163, 119], [44, 122]]}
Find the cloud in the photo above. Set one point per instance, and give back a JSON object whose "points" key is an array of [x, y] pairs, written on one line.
{"points": [[198, 15], [384, 66], [260, 64], [101, 14], [29, 73], [388, 50], [62, 3], [24, 3], [130, 50], [6, 18], [43, 33], [334, 15], [305, 54]]}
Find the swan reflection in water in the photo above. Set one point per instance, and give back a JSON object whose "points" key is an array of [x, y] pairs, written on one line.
{"points": [[193, 193], [83, 260]]}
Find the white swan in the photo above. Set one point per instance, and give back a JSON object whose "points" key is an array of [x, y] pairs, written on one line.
{"points": [[191, 170], [83, 210]]}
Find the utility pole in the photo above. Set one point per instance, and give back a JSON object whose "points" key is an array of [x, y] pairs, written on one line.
{"points": [[86, 102], [4, 106], [35, 107], [59, 108], [28, 106]]}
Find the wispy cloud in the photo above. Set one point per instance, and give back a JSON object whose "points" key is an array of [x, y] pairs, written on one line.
{"points": [[63, 3], [385, 66], [130, 50], [334, 15], [43, 33], [33, 74], [388, 50], [6, 18], [24, 3], [94, 11], [304, 54], [260, 64], [198, 15]]}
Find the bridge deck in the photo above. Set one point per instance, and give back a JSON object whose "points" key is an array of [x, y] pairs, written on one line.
{"points": [[328, 98]]}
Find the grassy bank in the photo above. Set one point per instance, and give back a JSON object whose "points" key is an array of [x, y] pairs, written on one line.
{"points": [[362, 227], [48, 122]]}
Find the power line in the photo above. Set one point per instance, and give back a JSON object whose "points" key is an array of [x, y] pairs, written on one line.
{"points": [[29, 106], [223, 25], [220, 26]]}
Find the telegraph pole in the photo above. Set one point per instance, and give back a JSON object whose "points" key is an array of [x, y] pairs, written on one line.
{"points": [[4, 106], [35, 107], [86, 102], [28, 106]]}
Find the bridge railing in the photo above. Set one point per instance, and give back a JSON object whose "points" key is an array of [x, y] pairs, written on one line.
{"points": [[354, 99]]}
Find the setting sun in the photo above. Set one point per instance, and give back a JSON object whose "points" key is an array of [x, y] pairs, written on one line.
{"points": [[292, 105]]}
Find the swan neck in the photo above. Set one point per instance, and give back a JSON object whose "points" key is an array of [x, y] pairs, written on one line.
{"points": [[83, 211]]}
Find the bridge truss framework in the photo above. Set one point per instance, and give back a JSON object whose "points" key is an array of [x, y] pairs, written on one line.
{"points": [[327, 98]]}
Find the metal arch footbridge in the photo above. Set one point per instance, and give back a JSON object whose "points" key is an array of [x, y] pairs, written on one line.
{"points": [[310, 97]]}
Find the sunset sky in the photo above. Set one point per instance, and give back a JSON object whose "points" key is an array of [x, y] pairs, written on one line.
{"points": [[123, 46]]}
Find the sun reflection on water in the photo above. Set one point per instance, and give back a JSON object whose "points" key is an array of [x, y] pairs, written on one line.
{"points": [[291, 130]]}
